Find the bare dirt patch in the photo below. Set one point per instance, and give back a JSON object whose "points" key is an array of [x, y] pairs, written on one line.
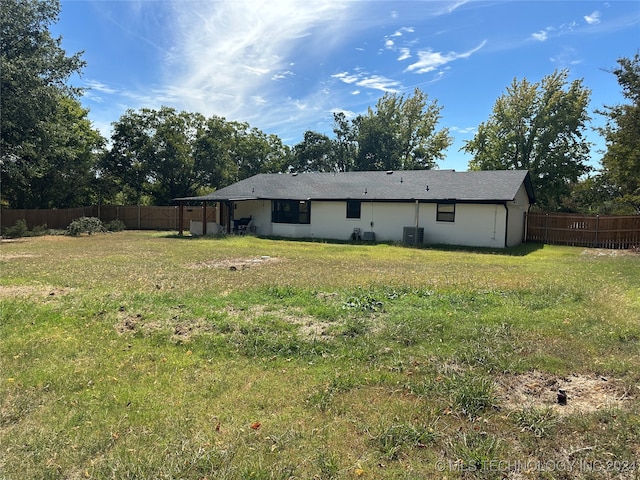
{"points": [[40, 291], [585, 393], [609, 252], [15, 256], [235, 263]]}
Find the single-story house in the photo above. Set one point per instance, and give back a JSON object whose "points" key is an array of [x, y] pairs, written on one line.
{"points": [[478, 208]]}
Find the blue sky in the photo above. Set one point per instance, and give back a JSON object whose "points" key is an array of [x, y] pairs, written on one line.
{"points": [[284, 66]]}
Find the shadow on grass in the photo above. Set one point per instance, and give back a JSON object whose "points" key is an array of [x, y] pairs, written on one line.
{"points": [[517, 251]]}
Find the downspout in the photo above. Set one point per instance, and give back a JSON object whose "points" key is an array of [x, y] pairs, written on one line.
{"points": [[204, 218], [180, 217], [506, 225], [415, 236], [526, 224]]}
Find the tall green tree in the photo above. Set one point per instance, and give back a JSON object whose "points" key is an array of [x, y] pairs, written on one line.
{"points": [[400, 134], [621, 161], [345, 147], [159, 155], [35, 98], [214, 164], [256, 152], [314, 154], [538, 127], [151, 159]]}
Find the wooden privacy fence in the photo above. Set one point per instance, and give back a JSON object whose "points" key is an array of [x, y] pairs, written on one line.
{"points": [[616, 232], [133, 216]]}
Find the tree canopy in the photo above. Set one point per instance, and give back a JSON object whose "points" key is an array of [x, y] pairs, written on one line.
{"points": [[621, 161], [52, 157], [538, 127], [400, 134], [47, 142], [159, 155]]}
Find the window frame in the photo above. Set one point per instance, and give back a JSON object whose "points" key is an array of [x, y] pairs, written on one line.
{"points": [[446, 212], [352, 206], [292, 212]]}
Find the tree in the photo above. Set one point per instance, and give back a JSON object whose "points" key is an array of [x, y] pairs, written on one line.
{"points": [[214, 166], [159, 155], [314, 154], [621, 161], [151, 158], [34, 66], [345, 146], [256, 152], [400, 134], [61, 170], [537, 127]]}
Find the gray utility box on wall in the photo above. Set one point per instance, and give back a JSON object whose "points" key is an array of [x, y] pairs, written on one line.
{"points": [[413, 235]]}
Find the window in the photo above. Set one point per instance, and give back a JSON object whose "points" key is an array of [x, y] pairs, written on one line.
{"points": [[446, 212], [353, 208], [290, 211]]}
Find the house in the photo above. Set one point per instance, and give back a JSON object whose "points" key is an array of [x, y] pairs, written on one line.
{"points": [[479, 208]]}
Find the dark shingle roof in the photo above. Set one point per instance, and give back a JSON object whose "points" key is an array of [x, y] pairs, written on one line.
{"points": [[425, 185]]}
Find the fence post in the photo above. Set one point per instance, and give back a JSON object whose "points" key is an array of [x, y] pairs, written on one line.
{"points": [[597, 229], [546, 228]]}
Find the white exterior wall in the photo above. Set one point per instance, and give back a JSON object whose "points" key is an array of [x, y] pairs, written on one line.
{"points": [[260, 212], [475, 225], [329, 220], [517, 217]]}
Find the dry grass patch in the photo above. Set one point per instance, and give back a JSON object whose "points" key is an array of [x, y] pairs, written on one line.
{"points": [[585, 393], [241, 263], [37, 291]]}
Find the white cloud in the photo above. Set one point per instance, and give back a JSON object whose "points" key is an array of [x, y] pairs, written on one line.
{"points": [[375, 82], [404, 54], [593, 19], [282, 75], [100, 87], [428, 60], [541, 36], [228, 52], [464, 130]]}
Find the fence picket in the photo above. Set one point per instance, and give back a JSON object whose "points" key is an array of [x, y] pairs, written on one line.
{"points": [[133, 216], [614, 232]]}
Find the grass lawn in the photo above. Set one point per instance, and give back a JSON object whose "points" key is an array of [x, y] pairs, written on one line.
{"points": [[144, 355]]}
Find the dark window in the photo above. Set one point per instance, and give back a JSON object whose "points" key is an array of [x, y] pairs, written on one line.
{"points": [[353, 208], [290, 211], [446, 212]]}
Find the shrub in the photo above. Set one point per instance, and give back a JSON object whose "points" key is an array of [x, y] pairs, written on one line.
{"points": [[20, 230], [38, 231], [17, 231], [87, 225], [115, 226]]}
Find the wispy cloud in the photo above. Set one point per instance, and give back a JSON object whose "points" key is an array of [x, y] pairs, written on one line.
{"points": [[100, 87], [464, 130], [366, 80], [405, 53], [428, 60], [541, 36], [231, 52], [592, 19]]}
